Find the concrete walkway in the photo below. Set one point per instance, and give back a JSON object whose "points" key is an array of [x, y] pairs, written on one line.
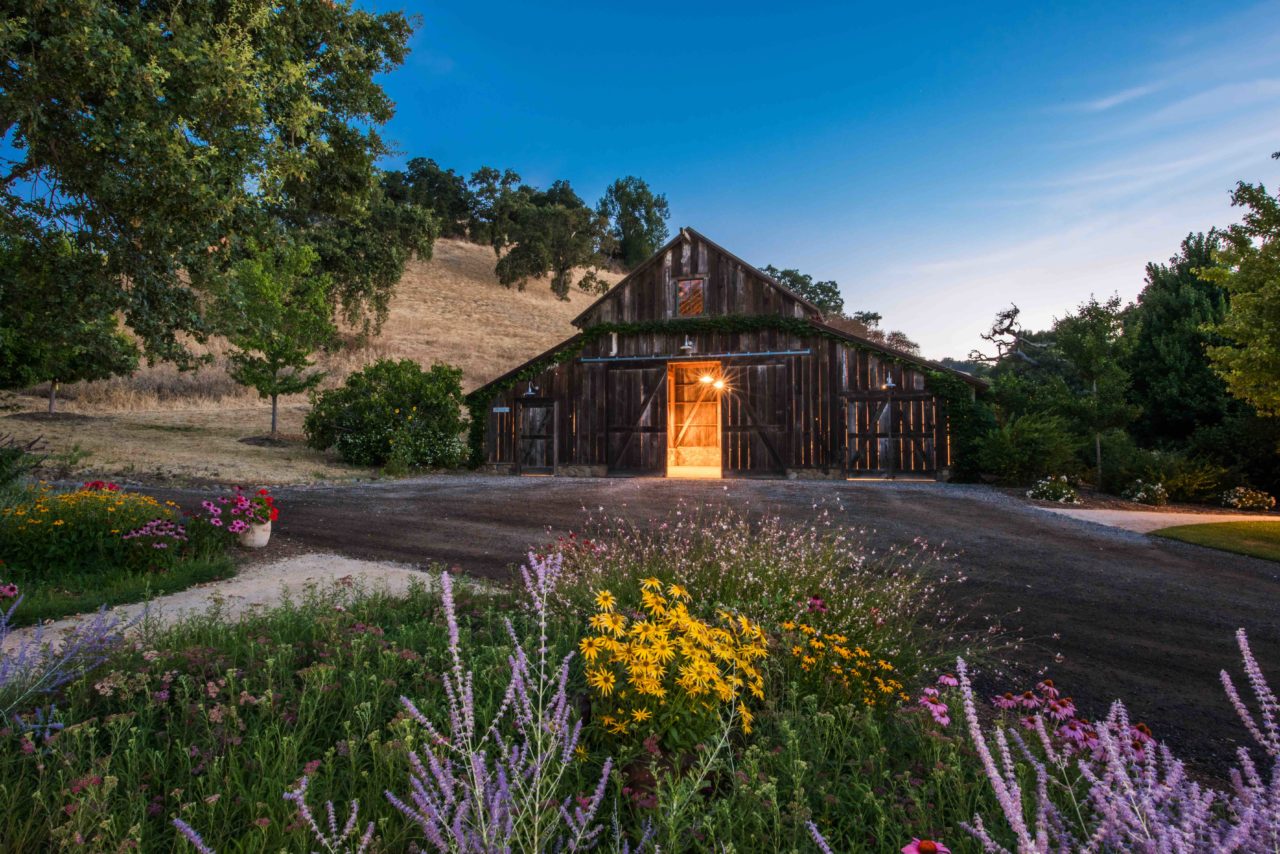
{"points": [[1146, 521], [257, 586]]}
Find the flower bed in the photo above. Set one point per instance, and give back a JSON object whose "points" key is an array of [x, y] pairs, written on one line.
{"points": [[72, 551], [460, 720]]}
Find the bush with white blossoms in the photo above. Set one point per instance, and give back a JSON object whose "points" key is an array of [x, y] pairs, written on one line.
{"points": [[1054, 488], [1147, 493], [1245, 498]]}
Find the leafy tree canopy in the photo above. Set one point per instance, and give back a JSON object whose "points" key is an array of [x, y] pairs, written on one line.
{"points": [[635, 221], [275, 313], [553, 232], [825, 295], [442, 191], [1250, 271], [155, 133], [56, 319]]}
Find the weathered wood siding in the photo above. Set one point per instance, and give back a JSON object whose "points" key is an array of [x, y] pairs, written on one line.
{"points": [[795, 403], [732, 287]]}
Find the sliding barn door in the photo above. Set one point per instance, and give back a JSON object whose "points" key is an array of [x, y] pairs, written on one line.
{"points": [[537, 436], [637, 419], [891, 436], [755, 419]]}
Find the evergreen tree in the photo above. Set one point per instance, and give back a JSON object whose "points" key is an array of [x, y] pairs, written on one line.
{"points": [[1167, 335], [825, 295]]}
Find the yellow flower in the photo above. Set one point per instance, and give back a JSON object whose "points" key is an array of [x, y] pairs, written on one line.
{"points": [[641, 715], [59, 522], [789, 626], [675, 591], [651, 584], [602, 680], [605, 600], [590, 648], [580, 753]]}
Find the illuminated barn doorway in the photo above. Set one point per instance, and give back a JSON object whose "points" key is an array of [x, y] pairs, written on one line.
{"points": [[693, 422]]}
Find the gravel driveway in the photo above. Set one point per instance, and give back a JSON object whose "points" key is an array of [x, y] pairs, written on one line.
{"points": [[1128, 615]]}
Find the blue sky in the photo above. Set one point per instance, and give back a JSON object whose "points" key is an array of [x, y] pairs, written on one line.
{"points": [[938, 160]]}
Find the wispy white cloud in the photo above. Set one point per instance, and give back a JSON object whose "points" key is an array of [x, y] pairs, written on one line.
{"points": [[1115, 99]]}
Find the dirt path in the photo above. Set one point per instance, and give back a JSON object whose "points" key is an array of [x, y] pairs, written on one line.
{"points": [[1146, 521], [257, 586], [1132, 616]]}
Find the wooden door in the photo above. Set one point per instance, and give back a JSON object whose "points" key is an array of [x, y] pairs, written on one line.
{"points": [[892, 436], [636, 419], [755, 425], [537, 436], [693, 419]]}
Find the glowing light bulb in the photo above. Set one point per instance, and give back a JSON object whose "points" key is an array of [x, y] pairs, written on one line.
{"points": [[719, 383], [705, 378]]}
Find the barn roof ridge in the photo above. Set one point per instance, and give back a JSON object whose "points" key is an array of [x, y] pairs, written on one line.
{"points": [[684, 233], [977, 382]]}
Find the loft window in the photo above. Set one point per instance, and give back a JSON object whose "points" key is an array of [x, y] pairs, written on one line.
{"points": [[689, 294]]}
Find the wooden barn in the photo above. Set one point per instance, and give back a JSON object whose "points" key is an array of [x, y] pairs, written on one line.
{"points": [[699, 365]]}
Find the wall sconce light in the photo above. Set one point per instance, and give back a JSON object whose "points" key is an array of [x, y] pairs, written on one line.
{"points": [[531, 390], [687, 346]]}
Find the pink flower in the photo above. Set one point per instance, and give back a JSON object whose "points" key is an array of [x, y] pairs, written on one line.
{"points": [[925, 846], [930, 700], [1061, 709], [946, 680], [216, 522], [8, 591], [816, 604], [1005, 701], [1048, 689], [1030, 701]]}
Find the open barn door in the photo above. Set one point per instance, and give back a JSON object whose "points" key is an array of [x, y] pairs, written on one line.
{"points": [[637, 419], [891, 436], [693, 419]]}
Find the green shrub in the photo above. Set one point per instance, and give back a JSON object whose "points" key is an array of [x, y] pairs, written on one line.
{"points": [[393, 414], [17, 460], [1186, 478], [1028, 448], [1145, 492], [1057, 489], [1245, 498]]}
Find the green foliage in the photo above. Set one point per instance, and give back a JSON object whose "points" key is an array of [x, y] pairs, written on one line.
{"points": [[195, 122], [392, 413], [1090, 343], [634, 220], [495, 197], [1173, 385], [17, 460], [970, 419], [57, 325], [825, 295], [275, 313], [1145, 492], [1057, 489], [442, 191], [553, 232], [1186, 478], [66, 549], [1029, 447], [1250, 272]]}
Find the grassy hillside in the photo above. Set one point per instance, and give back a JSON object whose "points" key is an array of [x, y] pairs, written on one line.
{"points": [[187, 424]]}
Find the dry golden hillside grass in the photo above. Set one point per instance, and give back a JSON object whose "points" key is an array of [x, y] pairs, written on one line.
{"points": [[163, 422]]}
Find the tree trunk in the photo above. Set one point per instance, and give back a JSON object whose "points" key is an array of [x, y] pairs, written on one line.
{"points": [[1097, 436], [53, 395], [275, 400]]}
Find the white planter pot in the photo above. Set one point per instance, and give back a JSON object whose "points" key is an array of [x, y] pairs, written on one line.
{"points": [[256, 536]]}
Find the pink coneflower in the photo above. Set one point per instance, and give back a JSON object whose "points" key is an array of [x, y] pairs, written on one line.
{"points": [[817, 605], [930, 700], [1061, 709], [1005, 701], [1047, 689], [925, 846], [946, 680], [8, 591]]}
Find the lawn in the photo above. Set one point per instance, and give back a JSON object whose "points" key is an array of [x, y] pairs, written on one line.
{"points": [[1255, 539]]}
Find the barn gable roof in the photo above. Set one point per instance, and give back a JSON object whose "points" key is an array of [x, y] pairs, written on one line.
{"points": [[688, 234]]}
